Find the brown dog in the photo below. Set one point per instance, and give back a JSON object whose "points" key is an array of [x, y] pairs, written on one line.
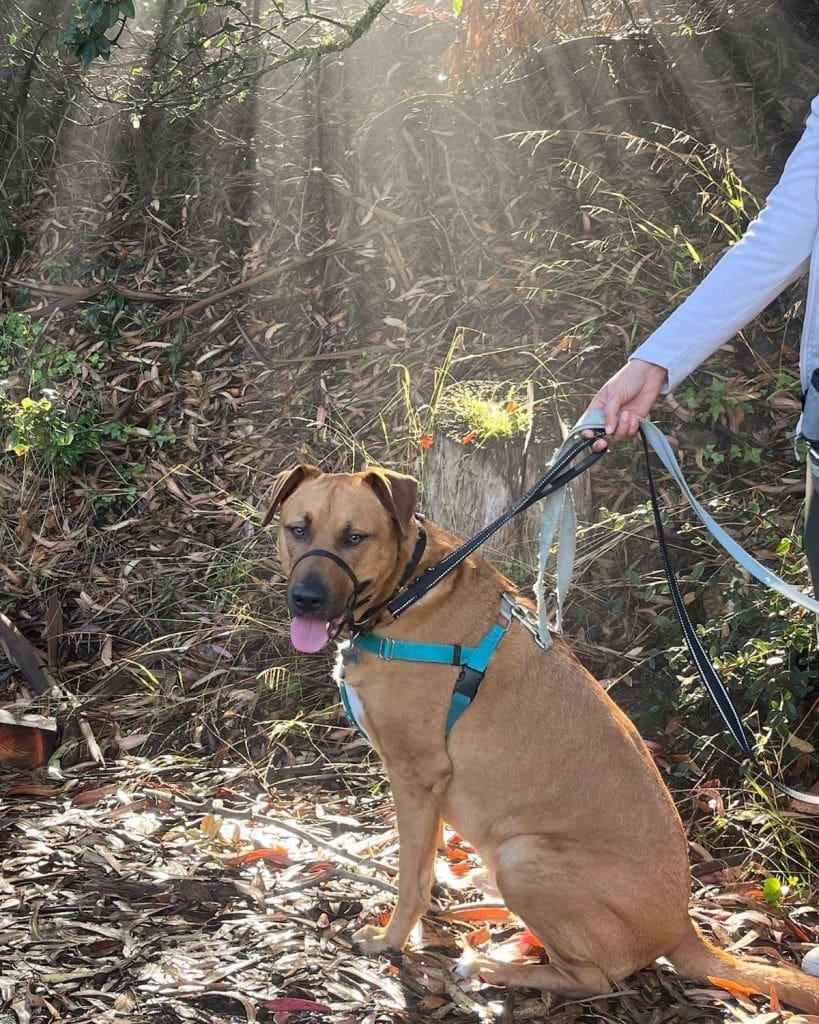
{"points": [[543, 774]]}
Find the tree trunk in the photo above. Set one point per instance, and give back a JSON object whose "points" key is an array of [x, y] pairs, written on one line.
{"points": [[467, 486]]}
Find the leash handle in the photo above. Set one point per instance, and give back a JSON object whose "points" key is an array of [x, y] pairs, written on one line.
{"points": [[659, 442]]}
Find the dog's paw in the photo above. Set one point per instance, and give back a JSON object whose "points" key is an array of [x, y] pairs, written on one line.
{"points": [[484, 968], [372, 940]]}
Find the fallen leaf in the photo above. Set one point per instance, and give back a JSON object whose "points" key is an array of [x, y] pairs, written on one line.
{"points": [[294, 1005], [277, 855], [479, 912], [740, 991], [479, 937], [799, 744], [527, 938]]}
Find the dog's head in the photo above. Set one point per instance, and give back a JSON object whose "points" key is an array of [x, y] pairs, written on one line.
{"points": [[341, 536]]}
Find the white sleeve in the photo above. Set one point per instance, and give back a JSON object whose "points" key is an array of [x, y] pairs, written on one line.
{"points": [[771, 254]]}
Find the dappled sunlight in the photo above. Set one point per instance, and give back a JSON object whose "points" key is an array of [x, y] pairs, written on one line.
{"points": [[242, 244]]}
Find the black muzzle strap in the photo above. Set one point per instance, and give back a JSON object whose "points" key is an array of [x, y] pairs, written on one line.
{"points": [[323, 553], [359, 586]]}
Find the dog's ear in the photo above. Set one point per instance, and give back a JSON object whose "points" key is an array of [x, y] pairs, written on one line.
{"points": [[284, 486], [397, 492]]}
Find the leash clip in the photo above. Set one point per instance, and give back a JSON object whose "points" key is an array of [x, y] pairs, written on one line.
{"points": [[512, 609]]}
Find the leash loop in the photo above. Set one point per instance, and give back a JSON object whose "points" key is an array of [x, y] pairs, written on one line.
{"points": [[659, 442]]}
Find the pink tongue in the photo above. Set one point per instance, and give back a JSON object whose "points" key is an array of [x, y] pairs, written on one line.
{"points": [[309, 635]]}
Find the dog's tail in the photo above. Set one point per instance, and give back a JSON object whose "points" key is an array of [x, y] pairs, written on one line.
{"points": [[700, 960]]}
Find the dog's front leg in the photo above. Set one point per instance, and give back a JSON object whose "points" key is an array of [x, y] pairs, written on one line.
{"points": [[418, 810]]}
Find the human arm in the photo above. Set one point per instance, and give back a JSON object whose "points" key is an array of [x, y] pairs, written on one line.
{"points": [[772, 253]]}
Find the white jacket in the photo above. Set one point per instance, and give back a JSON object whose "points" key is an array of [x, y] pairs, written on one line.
{"points": [[779, 245]]}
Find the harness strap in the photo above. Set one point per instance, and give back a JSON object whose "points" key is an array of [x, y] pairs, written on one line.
{"points": [[433, 654], [473, 661]]}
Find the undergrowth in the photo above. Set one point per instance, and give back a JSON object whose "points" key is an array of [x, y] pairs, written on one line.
{"points": [[50, 405]]}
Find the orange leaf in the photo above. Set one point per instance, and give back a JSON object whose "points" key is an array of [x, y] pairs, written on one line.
{"points": [[453, 853], [480, 912], [479, 936], [775, 1004], [469, 438], [277, 855], [731, 986], [527, 938], [426, 441], [463, 868]]}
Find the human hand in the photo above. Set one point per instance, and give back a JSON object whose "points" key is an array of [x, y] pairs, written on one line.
{"points": [[625, 397]]}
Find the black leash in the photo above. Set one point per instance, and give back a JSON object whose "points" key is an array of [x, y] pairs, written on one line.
{"points": [[708, 674], [553, 479]]}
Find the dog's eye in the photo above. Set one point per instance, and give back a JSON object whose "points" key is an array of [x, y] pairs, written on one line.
{"points": [[354, 539], [296, 531]]}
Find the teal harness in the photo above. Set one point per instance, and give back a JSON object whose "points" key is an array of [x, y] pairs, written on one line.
{"points": [[473, 661]]}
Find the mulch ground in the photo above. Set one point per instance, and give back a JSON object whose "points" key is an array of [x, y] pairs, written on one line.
{"points": [[152, 891]]}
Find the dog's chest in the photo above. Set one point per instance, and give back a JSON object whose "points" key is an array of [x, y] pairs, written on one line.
{"points": [[353, 704]]}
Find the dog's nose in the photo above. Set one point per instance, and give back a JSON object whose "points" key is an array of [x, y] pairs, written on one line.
{"points": [[308, 597]]}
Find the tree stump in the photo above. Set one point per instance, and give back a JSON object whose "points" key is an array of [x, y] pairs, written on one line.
{"points": [[484, 455]]}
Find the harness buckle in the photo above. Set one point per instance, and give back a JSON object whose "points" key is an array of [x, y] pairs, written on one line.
{"points": [[468, 682], [386, 649]]}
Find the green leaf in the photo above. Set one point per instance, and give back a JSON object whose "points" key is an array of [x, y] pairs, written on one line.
{"points": [[88, 52], [772, 891], [457, 6], [127, 8]]}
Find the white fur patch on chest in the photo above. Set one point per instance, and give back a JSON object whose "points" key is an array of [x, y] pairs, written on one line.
{"points": [[356, 709], [353, 704]]}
